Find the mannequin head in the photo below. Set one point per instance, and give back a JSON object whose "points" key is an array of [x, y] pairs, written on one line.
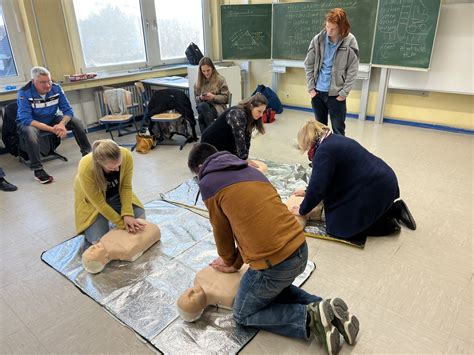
{"points": [[211, 288], [118, 244], [96, 258], [192, 303], [261, 166]]}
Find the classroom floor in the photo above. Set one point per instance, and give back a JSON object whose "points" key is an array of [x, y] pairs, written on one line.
{"points": [[413, 293]]}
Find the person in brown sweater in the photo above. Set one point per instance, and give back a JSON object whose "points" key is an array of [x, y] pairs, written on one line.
{"points": [[251, 224]]}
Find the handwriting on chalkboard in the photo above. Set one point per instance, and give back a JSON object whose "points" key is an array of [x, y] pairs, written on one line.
{"points": [[405, 32]]}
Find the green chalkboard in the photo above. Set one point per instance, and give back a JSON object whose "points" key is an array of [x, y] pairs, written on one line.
{"points": [[405, 33], [295, 24], [246, 31]]}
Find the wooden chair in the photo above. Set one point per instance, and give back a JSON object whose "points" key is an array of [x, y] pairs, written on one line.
{"points": [[116, 122]]}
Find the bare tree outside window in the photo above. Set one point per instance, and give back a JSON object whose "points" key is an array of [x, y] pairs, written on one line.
{"points": [[7, 62], [111, 32], [179, 23]]}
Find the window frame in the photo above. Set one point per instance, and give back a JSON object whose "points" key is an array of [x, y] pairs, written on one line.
{"points": [[150, 34], [17, 38]]}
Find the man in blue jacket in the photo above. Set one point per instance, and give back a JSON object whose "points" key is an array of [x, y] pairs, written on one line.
{"points": [[38, 105]]}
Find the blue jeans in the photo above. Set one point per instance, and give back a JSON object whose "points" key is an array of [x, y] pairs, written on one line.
{"points": [[101, 225], [323, 104], [267, 300]]}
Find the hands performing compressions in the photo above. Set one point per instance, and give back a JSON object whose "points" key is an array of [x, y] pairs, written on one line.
{"points": [[219, 265], [133, 224]]}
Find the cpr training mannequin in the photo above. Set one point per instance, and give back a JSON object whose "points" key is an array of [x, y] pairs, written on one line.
{"points": [[118, 244], [314, 215], [211, 288], [259, 165]]}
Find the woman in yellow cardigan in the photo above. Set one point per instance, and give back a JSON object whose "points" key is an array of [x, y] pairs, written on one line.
{"points": [[103, 192]]}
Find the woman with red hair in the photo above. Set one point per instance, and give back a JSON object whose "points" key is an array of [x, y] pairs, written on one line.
{"points": [[331, 67]]}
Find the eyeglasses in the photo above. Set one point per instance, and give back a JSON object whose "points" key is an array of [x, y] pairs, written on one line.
{"points": [[47, 82]]}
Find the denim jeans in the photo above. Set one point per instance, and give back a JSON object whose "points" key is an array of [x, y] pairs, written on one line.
{"points": [[101, 225], [267, 300], [32, 144], [207, 115], [323, 104]]}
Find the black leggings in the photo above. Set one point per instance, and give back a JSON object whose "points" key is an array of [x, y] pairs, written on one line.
{"points": [[207, 115]]}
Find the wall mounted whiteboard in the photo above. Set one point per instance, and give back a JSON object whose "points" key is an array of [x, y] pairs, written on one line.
{"points": [[452, 62]]}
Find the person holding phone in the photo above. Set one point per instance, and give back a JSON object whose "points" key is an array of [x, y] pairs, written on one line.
{"points": [[212, 93]]}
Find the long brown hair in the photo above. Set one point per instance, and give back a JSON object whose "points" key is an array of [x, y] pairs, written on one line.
{"points": [[339, 17], [256, 100], [103, 151], [213, 80]]}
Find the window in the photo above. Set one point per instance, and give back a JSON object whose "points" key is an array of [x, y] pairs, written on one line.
{"points": [[129, 34], [179, 23], [111, 32], [14, 57], [7, 62]]}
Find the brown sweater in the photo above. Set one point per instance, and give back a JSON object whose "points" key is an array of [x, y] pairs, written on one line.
{"points": [[245, 209]]}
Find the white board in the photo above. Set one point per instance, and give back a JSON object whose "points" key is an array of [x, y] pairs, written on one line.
{"points": [[452, 62]]}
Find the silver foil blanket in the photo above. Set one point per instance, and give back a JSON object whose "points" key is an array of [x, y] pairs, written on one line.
{"points": [[143, 294]]}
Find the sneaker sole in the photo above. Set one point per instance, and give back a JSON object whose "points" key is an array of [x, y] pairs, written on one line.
{"points": [[348, 324], [44, 182], [332, 335]]}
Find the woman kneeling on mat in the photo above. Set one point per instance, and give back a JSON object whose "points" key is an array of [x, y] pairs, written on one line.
{"points": [[358, 189], [103, 192]]}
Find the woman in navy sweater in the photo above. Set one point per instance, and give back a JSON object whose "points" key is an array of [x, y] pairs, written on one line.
{"points": [[357, 188]]}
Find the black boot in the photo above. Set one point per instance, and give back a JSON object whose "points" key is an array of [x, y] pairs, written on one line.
{"points": [[403, 215]]}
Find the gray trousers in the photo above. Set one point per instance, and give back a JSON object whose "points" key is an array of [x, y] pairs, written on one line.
{"points": [[31, 137]]}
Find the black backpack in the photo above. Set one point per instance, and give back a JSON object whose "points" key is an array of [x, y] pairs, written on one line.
{"points": [[193, 53], [9, 129]]}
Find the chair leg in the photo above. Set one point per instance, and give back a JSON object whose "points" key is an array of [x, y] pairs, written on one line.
{"points": [[59, 156]]}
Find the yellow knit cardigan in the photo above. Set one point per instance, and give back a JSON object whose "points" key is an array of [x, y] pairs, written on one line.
{"points": [[88, 203]]}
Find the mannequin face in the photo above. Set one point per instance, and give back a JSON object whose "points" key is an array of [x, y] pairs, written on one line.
{"points": [[193, 299], [206, 70], [97, 252], [257, 111], [113, 165]]}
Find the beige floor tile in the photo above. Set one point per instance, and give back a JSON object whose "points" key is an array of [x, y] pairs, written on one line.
{"points": [[9, 322], [87, 329], [458, 346], [22, 342]]}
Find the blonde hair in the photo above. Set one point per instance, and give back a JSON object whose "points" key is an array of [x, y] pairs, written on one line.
{"points": [[103, 151], [308, 134]]}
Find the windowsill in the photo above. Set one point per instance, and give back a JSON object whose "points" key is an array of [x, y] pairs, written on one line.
{"points": [[102, 78]]}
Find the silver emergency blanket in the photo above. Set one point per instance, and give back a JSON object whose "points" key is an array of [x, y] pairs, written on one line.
{"points": [[143, 294], [285, 177]]}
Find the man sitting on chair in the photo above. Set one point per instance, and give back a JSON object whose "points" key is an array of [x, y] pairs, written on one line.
{"points": [[38, 104]]}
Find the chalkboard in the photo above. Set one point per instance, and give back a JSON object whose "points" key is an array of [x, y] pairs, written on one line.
{"points": [[246, 31], [451, 68], [405, 33], [295, 24]]}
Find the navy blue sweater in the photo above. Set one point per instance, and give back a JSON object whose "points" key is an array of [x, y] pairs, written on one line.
{"points": [[356, 186]]}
